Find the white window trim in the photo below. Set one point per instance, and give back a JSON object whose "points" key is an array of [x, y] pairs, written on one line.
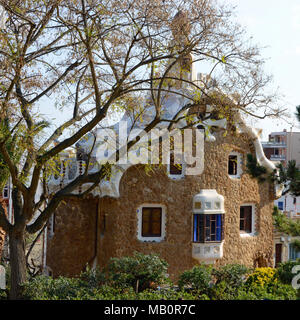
{"points": [[253, 232], [177, 176], [239, 164], [6, 188], [289, 253], [139, 222]]}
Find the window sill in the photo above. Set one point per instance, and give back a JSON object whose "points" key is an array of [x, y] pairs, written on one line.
{"points": [[150, 239], [234, 177], [248, 235], [175, 177]]}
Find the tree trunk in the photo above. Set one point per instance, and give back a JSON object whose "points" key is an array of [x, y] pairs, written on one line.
{"points": [[17, 264]]}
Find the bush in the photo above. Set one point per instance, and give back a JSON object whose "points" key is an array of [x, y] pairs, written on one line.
{"points": [[194, 284], [284, 271], [277, 292], [234, 275], [169, 294], [228, 279], [46, 288], [198, 279], [140, 271], [93, 278], [262, 277]]}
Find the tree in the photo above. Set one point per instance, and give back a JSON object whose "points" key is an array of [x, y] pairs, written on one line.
{"points": [[290, 176], [90, 58]]}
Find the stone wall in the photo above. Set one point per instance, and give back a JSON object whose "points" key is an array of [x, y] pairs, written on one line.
{"points": [[72, 245], [117, 226]]}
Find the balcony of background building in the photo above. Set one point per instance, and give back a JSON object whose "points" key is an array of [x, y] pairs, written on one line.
{"points": [[277, 157], [273, 144]]}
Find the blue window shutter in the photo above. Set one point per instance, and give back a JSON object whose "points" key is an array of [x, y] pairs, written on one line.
{"points": [[219, 228], [195, 227]]}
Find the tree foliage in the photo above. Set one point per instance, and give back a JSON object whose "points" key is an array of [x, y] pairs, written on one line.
{"points": [[255, 170], [285, 224], [290, 177]]}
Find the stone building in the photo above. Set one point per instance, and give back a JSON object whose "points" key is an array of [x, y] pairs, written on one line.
{"points": [[220, 216]]}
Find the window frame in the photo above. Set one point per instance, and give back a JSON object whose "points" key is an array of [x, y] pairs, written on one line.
{"points": [[252, 233], [239, 171], [294, 254], [175, 176], [202, 227], [5, 190], [235, 166], [140, 223], [151, 222]]}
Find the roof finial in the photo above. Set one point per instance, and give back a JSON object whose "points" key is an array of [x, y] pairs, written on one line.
{"points": [[181, 27]]}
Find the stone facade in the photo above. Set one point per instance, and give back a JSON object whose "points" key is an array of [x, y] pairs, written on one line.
{"points": [[107, 227]]}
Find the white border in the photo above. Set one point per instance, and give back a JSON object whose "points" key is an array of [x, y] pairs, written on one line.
{"points": [[163, 222], [253, 229]]}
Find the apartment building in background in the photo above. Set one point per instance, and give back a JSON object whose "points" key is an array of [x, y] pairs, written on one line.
{"points": [[283, 146]]}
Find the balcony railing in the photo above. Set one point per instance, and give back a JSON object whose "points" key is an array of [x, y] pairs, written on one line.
{"points": [[70, 169], [277, 157], [273, 144]]}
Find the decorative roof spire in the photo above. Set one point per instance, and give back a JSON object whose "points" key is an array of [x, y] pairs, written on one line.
{"points": [[181, 28]]}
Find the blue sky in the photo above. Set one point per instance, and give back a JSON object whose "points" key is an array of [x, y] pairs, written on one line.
{"points": [[275, 24]]}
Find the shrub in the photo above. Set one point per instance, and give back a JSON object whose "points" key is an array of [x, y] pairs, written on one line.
{"points": [[284, 271], [276, 292], [46, 288], [3, 294], [140, 271], [263, 277], [282, 291], [169, 294], [233, 275], [93, 278], [199, 279], [228, 280]]}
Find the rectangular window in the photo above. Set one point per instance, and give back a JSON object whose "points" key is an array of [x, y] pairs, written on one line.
{"points": [[280, 205], [5, 192], [232, 165], [293, 252], [175, 169], [208, 228], [246, 219], [151, 222]]}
